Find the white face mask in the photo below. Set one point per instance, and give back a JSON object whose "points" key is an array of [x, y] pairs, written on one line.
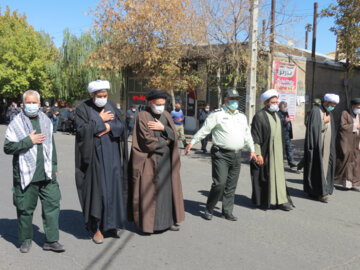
{"points": [[100, 102], [356, 111], [158, 109]]}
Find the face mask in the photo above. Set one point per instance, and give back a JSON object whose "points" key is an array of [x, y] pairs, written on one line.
{"points": [[273, 108], [330, 108], [206, 110], [31, 109], [158, 109], [285, 110], [356, 111], [118, 108], [177, 109], [56, 105], [233, 105], [47, 105], [100, 102], [134, 110]]}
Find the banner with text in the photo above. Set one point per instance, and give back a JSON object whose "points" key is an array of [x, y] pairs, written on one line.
{"points": [[285, 81]]}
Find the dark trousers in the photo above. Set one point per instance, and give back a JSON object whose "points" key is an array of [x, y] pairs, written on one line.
{"points": [[288, 150], [225, 174], [55, 122], [26, 201], [204, 142]]}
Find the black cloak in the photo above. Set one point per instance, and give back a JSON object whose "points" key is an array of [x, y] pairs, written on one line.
{"points": [[88, 165], [260, 175], [315, 182]]}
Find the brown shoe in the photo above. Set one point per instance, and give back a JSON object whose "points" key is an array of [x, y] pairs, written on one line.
{"points": [[324, 199], [98, 238], [174, 228]]}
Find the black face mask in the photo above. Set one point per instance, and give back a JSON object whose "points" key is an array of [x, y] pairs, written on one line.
{"points": [[176, 109]]}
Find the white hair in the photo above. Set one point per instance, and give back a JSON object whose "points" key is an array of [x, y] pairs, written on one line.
{"points": [[31, 92]]}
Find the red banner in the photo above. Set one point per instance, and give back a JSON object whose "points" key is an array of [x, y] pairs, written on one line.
{"points": [[285, 82]]}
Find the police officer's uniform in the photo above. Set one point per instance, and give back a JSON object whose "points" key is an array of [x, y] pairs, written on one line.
{"points": [[230, 133]]}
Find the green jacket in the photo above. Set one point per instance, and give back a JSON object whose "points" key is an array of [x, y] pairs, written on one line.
{"points": [[16, 148]]}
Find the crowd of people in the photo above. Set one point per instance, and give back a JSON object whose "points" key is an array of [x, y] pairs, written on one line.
{"points": [[145, 187]]}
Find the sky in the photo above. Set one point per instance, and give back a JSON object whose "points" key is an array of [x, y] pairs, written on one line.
{"points": [[53, 16]]}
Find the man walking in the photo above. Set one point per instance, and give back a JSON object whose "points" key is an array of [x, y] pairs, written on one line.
{"points": [[130, 118], [156, 191], [204, 113], [55, 115], [230, 133], [287, 132], [347, 171], [101, 162], [267, 173], [29, 139], [319, 150], [178, 118]]}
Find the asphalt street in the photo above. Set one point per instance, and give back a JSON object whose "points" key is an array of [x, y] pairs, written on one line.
{"points": [[312, 236]]}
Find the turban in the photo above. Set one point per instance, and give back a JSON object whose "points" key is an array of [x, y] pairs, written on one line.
{"points": [[98, 85], [155, 94], [269, 94], [355, 101], [332, 98]]}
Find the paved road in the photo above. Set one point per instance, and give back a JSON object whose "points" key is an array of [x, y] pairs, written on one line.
{"points": [[313, 236]]}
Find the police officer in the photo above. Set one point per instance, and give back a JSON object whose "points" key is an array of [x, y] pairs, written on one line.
{"points": [[230, 133]]}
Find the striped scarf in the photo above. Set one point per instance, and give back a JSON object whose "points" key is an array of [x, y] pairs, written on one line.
{"points": [[19, 129]]}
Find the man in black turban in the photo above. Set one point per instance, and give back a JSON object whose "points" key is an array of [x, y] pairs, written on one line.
{"points": [[348, 148]]}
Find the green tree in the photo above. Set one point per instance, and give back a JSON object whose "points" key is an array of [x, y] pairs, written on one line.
{"points": [[347, 27], [25, 56], [72, 71]]}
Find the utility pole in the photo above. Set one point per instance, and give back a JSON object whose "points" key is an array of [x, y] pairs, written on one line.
{"points": [[251, 81], [272, 40], [308, 29], [263, 39], [313, 52]]}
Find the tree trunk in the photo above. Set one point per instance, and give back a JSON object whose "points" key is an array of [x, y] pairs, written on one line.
{"points": [[218, 84], [172, 98], [237, 74]]}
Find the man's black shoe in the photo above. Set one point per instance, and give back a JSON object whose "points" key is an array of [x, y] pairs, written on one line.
{"points": [[230, 217], [292, 166], [25, 246], [207, 215], [54, 246], [285, 207]]}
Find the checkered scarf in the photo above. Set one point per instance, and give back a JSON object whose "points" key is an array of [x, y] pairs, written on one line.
{"points": [[20, 128]]}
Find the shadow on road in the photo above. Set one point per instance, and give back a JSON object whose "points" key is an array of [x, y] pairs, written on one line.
{"points": [[72, 222], [299, 193], [9, 232]]}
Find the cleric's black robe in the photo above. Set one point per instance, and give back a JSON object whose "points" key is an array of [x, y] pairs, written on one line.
{"points": [[260, 175], [101, 168], [316, 182]]}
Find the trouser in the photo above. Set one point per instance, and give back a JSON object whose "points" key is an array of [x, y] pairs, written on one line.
{"points": [[180, 133], [204, 142], [288, 150], [225, 174], [26, 201], [55, 122], [301, 164], [130, 130]]}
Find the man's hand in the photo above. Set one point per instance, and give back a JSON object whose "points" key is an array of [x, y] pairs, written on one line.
{"points": [[327, 118], [287, 119], [37, 138], [156, 125], [180, 120], [252, 155], [358, 126], [131, 116], [106, 116], [105, 131], [188, 148], [57, 173], [260, 160]]}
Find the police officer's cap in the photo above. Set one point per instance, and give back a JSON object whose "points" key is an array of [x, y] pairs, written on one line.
{"points": [[232, 93]]}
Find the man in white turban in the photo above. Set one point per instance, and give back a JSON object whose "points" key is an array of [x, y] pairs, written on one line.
{"points": [[267, 171], [101, 162], [319, 150]]}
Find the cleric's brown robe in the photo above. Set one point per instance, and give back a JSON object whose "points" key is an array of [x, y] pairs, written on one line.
{"points": [[347, 152], [143, 175]]}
